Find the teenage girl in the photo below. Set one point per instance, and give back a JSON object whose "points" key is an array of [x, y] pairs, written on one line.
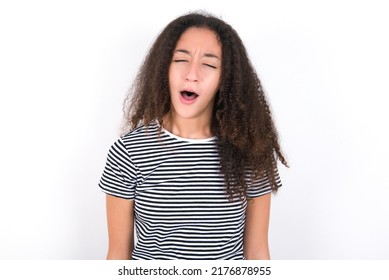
{"points": [[197, 163]]}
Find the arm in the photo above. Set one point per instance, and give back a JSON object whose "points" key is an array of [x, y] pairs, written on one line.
{"points": [[256, 245], [120, 218]]}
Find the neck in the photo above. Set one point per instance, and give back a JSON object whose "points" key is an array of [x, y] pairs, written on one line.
{"points": [[188, 128]]}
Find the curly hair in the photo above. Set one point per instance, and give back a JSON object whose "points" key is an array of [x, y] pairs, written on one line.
{"points": [[247, 139]]}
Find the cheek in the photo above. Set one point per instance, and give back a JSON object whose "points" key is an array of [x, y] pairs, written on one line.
{"points": [[171, 79], [215, 83], [174, 74]]}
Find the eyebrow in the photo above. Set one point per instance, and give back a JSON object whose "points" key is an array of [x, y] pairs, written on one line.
{"points": [[206, 54]]}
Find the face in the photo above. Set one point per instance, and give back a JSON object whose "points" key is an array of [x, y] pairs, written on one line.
{"points": [[194, 74]]}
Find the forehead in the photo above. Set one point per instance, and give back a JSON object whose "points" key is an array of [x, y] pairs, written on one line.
{"points": [[199, 38]]}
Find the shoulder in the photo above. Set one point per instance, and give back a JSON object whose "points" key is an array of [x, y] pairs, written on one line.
{"points": [[133, 143], [141, 134]]}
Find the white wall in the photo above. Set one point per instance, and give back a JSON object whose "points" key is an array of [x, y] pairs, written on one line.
{"points": [[65, 68]]}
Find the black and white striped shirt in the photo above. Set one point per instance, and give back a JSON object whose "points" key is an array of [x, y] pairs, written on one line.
{"points": [[181, 209]]}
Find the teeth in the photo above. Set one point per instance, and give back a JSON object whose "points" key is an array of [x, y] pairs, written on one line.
{"points": [[188, 94]]}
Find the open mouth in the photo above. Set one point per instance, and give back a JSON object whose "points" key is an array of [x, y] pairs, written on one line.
{"points": [[188, 95]]}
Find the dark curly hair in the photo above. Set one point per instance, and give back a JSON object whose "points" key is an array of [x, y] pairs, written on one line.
{"points": [[246, 136]]}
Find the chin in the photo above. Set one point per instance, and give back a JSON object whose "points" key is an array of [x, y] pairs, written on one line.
{"points": [[186, 116]]}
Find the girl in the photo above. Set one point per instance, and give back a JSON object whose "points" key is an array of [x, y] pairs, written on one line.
{"points": [[196, 166]]}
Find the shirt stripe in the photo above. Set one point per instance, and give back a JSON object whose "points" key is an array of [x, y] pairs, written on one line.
{"points": [[181, 209]]}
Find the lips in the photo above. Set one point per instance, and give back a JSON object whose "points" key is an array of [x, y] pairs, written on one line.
{"points": [[188, 96]]}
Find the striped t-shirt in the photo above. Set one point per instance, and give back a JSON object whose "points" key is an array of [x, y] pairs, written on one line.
{"points": [[181, 208]]}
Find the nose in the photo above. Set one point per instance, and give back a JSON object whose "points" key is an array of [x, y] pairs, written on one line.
{"points": [[193, 73]]}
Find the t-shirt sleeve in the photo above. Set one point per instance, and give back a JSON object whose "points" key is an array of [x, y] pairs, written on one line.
{"points": [[262, 186], [119, 175]]}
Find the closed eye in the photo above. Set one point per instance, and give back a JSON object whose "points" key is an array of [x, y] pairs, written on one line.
{"points": [[180, 60], [209, 65]]}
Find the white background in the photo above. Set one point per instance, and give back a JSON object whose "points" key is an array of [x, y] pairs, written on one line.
{"points": [[66, 66]]}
